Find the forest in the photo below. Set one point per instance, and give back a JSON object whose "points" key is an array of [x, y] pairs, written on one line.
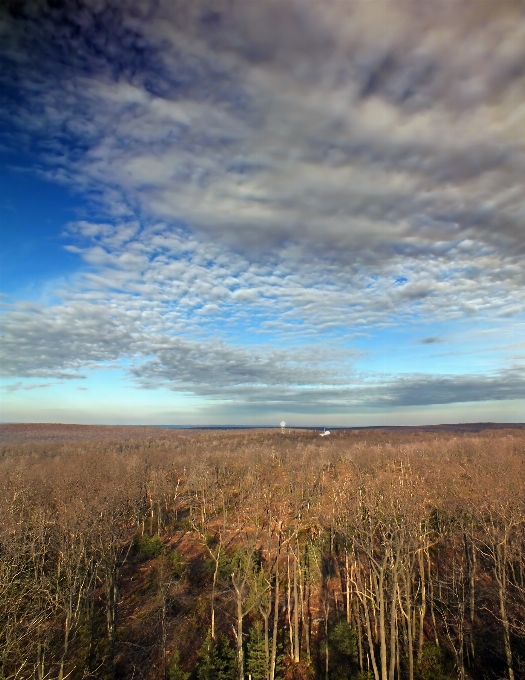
{"points": [[380, 554]]}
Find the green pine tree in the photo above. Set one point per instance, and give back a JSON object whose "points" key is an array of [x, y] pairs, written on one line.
{"points": [[343, 651], [256, 663], [343, 639], [217, 660], [175, 671], [432, 664]]}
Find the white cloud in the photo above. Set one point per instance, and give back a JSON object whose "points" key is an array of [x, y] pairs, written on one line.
{"points": [[272, 169]]}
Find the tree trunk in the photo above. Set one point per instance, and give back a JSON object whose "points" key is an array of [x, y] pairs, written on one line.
{"points": [[289, 606], [295, 612], [273, 658], [213, 588], [410, 625], [472, 597], [326, 648], [265, 615], [363, 598], [359, 635], [393, 624], [347, 589], [501, 579], [240, 650], [379, 583], [423, 607], [431, 596]]}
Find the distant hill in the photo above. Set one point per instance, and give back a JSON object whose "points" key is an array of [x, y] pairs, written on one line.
{"points": [[46, 432]]}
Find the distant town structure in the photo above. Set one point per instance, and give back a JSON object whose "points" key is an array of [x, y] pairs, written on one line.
{"points": [[325, 432], [283, 425]]}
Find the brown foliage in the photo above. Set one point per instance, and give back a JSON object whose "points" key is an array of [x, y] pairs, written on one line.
{"points": [[119, 545]]}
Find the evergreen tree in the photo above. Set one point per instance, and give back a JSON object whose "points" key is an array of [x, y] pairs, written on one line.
{"points": [[256, 657], [343, 639], [343, 651], [217, 660], [175, 671]]}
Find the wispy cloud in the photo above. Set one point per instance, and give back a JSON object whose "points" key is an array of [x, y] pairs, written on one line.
{"points": [[14, 387]]}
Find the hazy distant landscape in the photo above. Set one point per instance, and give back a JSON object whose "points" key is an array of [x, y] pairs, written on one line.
{"points": [[11, 433], [173, 554]]}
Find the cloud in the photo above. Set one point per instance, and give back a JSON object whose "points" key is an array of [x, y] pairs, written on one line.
{"points": [[13, 387], [61, 341], [329, 133], [257, 391], [265, 180], [220, 371], [447, 389], [263, 378], [383, 393]]}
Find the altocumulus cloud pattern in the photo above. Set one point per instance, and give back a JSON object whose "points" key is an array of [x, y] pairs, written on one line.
{"points": [[286, 207]]}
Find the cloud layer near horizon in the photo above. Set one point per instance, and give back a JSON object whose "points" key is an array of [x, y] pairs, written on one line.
{"points": [[268, 179]]}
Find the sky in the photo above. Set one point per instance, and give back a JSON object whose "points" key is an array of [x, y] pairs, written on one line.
{"points": [[247, 211]]}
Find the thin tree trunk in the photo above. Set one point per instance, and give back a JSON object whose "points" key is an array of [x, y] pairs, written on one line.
{"points": [[240, 650], [347, 589], [111, 614], [393, 617], [326, 648], [362, 596], [371, 653], [289, 606], [410, 626], [501, 579], [398, 652], [359, 635], [472, 597], [303, 625], [273, 658], [164, 631], [423, 607], [213, 588], [308, 626], [265, 614], [295, 611], [431, 595], [380, 585]]}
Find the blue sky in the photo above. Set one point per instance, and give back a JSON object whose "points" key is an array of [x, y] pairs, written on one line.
{"points": [[242, 212]]}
